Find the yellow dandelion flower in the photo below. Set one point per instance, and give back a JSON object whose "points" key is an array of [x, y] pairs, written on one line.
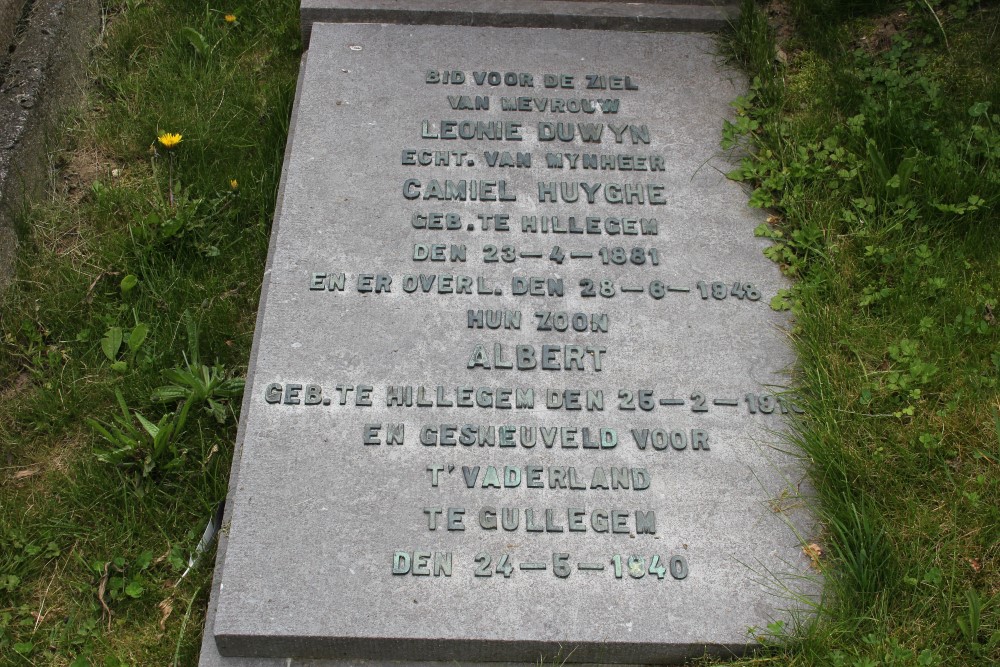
{"points": [[169, 140], [233, 184], [230, 18]]}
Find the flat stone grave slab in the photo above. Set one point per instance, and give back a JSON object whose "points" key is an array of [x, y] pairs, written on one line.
{"points": [[516, 391]]}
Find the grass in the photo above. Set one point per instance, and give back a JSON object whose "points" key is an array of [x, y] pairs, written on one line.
{"points": [[875, 144], [873, 138], [91, 553]]}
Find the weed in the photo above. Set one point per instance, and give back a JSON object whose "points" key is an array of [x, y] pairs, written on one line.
{"points": [[198, 42], [975, 636], [196, 383], [154, 447], [111, 344]]}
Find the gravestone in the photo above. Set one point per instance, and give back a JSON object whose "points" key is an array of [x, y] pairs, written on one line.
{"points": [[515, 392]]}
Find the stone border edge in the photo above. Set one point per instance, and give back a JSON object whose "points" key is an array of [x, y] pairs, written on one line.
{"points": [[616, 16], [43, 80]]}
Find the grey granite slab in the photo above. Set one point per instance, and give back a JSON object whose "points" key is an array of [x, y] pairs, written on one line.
{"points": [[315, 515], [647, 16]]}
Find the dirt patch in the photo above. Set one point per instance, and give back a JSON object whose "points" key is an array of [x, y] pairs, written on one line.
{"points": [[75, 170], [79, 168], [60, 458], [879, 39], [17, 385], [48, 467], [779, 17]]}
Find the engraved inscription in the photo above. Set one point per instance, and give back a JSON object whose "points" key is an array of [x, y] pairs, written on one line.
{"points": [[533, 243]]}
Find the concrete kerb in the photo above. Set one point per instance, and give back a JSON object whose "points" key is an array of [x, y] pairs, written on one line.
{"points": [[10, 16], [642, 16], [43, 77]]}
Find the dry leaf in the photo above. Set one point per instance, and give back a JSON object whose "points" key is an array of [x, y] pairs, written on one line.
{"points": [[100, 592], [27, 472], [164, 556], [166, 608], [814, 552]]}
